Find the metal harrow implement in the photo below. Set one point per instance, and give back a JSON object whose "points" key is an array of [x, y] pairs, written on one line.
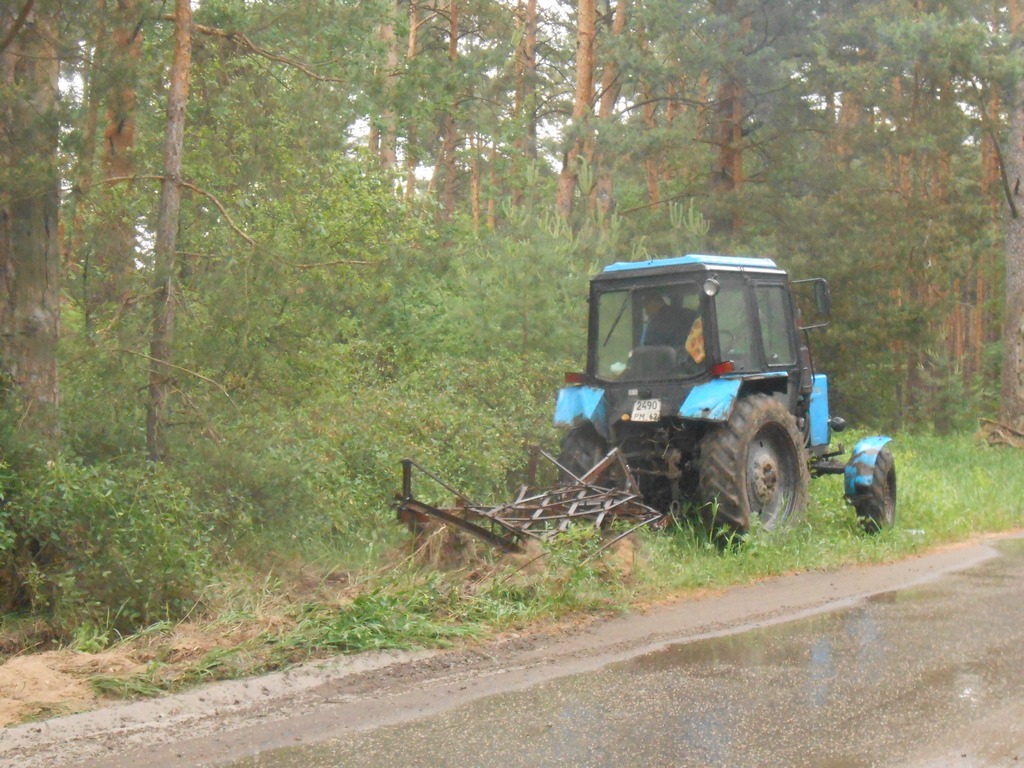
{"points": [[539, 514]]}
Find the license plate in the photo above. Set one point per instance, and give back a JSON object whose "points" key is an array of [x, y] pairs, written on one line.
{"points": [[646, 410]]}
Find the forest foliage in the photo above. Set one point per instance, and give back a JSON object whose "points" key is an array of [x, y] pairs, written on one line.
{"points": [[390, 211]]}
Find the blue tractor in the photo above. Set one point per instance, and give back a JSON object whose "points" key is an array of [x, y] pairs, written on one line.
{"points": [[699, 372]]}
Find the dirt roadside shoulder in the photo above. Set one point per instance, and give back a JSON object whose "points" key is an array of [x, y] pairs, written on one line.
{"points": [[315, 702]]}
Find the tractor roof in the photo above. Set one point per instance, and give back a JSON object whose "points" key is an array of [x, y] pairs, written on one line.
{"points": [[690, 263]]}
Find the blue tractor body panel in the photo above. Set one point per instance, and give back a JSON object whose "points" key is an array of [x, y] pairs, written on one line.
{"points": [[860, 469], [580, 404], [821, 432]]}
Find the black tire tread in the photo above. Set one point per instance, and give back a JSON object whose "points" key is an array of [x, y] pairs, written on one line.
{"points": [[873, 506], [723, 462]]}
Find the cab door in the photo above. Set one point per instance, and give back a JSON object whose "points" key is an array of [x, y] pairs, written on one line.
{"points": [[777, 330]]}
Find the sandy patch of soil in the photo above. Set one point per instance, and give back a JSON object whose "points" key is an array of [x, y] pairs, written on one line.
{"points": [[56, 682], [42, 685]]}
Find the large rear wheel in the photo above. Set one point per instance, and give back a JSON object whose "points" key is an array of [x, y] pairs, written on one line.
{"points": [[753, 467]]}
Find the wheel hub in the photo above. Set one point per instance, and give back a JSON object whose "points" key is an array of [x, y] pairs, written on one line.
{"points": [[765, 478]]}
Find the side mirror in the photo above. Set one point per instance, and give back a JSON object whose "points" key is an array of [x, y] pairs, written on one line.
{"points": [[822, 297], [814, 302]]}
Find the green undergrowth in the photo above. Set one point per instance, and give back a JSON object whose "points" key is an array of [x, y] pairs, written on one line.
{"points": [[445, 590]]}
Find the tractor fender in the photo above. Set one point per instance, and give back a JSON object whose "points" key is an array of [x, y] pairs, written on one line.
{"points": [[714, 400], [711, 401], [861, 466], [581, 404]]}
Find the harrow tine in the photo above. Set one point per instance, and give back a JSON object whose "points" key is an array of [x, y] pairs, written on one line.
{"points": [[542, 513]]}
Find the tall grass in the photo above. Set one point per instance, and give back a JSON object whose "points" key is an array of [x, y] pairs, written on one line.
{"points": [[948, 489], [952, 488]]}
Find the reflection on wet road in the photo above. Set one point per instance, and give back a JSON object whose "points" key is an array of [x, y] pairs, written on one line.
{"points": [[929, 676]]}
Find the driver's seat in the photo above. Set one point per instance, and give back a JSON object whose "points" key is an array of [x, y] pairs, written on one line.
{"points": [[651, 362]]}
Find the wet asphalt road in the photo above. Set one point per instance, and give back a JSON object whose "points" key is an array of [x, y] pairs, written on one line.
{"points": [[925, 677]]}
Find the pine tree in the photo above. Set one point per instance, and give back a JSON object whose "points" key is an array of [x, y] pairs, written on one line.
{"points": [[166, 291], [29, 241], [1011, 407]]}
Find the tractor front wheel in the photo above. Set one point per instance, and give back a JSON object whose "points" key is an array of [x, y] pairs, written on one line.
{"points": [[753, 467], [876, 507]]}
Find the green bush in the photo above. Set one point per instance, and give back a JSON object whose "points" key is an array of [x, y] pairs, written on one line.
{"points": [[121, 546]]}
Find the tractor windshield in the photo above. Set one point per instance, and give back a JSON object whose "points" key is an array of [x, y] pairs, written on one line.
{"points": [[649, 333]]}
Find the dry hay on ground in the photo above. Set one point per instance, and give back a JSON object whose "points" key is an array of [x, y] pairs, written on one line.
{"points": [[56, 682]]}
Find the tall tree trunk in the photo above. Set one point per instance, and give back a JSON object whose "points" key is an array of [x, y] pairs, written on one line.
{"points": [[74, 254], [530, 79], [165, 267], [449, 127], [411, 153], [848, 125], [116, 241], [525, 107], [449, 146], [586, 29], [29, 238], [474, 180], [727, 164], [119, 135], [1011, 406], [727, 167], [985, 327], [388, 140], [651, 162], [492, 209], [411, 163], [611, 86]]}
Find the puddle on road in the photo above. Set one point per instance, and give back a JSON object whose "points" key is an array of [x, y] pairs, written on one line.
{"points": [[876, 684]]}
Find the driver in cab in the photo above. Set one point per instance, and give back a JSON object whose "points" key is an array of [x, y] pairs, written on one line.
{"points": [[669, 325]]}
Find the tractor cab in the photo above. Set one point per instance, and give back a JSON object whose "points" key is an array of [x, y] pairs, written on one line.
{"points": [[690, 317], [660, 329]]}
